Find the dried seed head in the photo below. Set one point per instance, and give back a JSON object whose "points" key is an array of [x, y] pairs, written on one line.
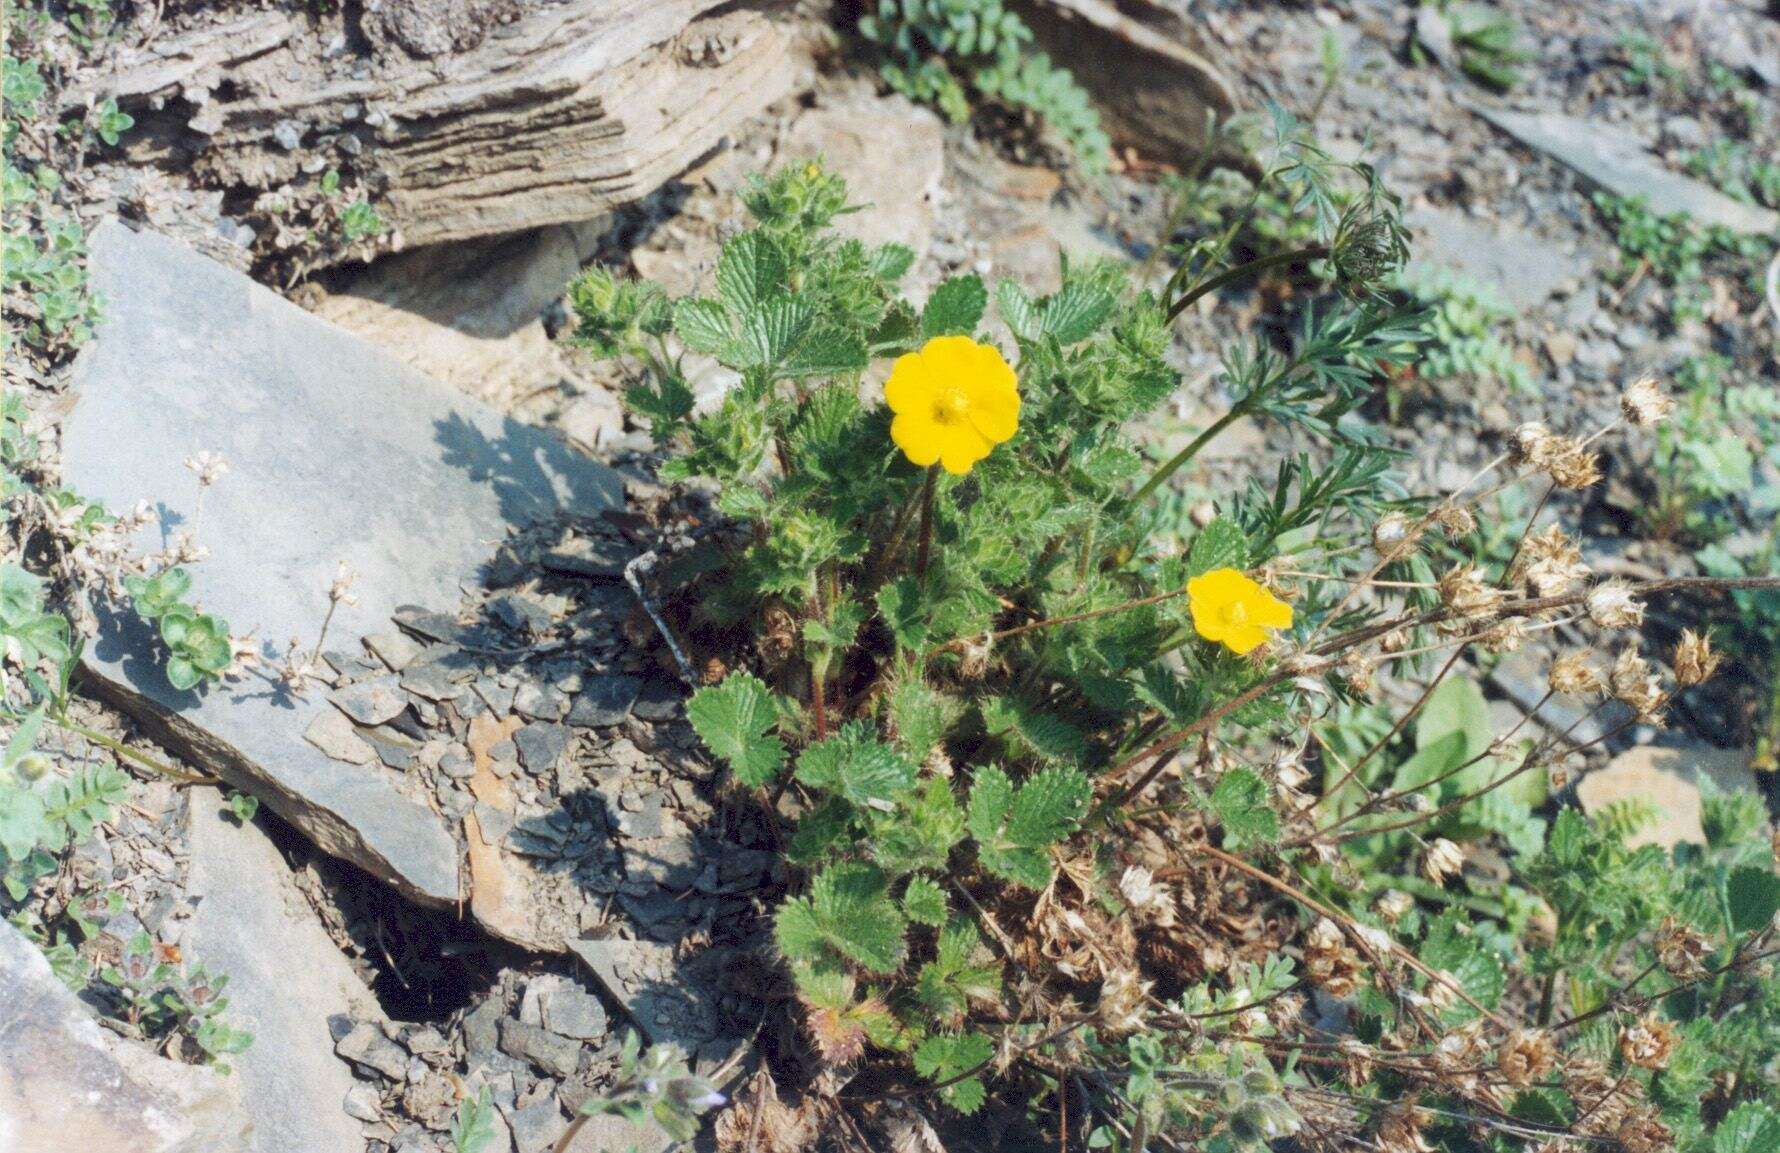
{"points": [[1633, 684], [1504, 636], [973, 660], [1148, 899], [210, 467], [1645, 403], [1356, 670], [1574, 675], [1611, 606], [1648, 1042], [1643, 1131], [1527, 1056], [1557, 778], [1550, 563], [1400, 1131], [1444, 859], [1121, 1001], [1358, 1061], [1695, 662], [1532, 445], [1681, 949], [1395, 534], [1394, 905], [1329, 961], [1573, 466], [340, 591], [1455, 520], [1394, 641], [1465, 594]]}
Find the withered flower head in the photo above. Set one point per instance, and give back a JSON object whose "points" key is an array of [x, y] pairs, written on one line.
{"points": [[1574, 675], [1645, 403], [1394, 905], [1444, 859], [1648, 1042], [1642, 1131], [1465, 593], [1636, 686], [1527, 1056], [1532, 445], [1121, 1001], [1551, 563], [1573, 466], [1400, 1131], [1611, 606], [1394, 533], [1329, 961], [1455, 520], [1681, 949], [1695, 662]]}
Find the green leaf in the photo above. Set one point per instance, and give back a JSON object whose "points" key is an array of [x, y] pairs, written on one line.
{"points": [[183, 674], [24, 739], [1456, 706], [1752, 894], [750, 271], [1042, 732], [858, 766], [1013, 827], [848, 910], [1220, 544], [942, 1057], [1751, 1127], [1077, 311], [734, 720], [924, 902], [827, 351], [1018, 309], [23, 823], [903, 609], [891, 262], [1051, 804], [703, 326], [1242, 806], [956, 307], [919, 716]]}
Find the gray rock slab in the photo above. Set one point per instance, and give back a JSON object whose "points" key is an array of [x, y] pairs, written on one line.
{"points": [[286, 978], [67, 1084], [667, 997], [1621, 163], [339, 453], [1523, 269], [605, 702]]}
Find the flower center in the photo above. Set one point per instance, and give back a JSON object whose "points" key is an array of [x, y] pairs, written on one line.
{"points": [[950, 406], [1235, 613]]}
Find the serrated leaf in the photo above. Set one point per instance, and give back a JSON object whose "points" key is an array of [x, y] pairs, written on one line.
{"points": [[859, 767], [772, 330], [734, 719], [956, 307], [23, 825], [890, 262], [1049, 806], [919, 716], [1017, 309], [1013, 827], [1077, 311], [750, 271], [1220, 544], [1752, 894], [827, 352], [1751, 1127], [1042, 732], [924, 902], [1242, 806], [902, 607], [860, 923], [703, 326]]}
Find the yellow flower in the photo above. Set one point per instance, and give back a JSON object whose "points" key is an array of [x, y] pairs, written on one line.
{"points": [[954, 400], [1232, 609]]}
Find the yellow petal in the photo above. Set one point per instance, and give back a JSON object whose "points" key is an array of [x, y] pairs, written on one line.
{"points": [[1271, 613], [917, 436], [949, 359], [910, 387], [1244, 639], [994, 396], [960, 447]]}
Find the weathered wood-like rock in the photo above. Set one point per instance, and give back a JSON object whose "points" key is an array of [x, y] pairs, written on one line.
{"points": [[286, 978], [1619, 162], [66, 1084], [1668, 781], [460, 125], [1153, 91], [338, 453]]}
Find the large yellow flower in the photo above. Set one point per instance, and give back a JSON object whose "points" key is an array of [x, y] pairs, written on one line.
{"points": [[954, 400], [1235, 611]]}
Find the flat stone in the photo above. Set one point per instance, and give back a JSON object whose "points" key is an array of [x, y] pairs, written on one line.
{"points": [[604, 702], [333, 733], [1521, 268], [659, 700], [370, 702], [537, 1127], [433, 681], [394, 649], [66, 1083], [369, 1047], [541, 702], [590, 557], [555, 1055], [667, 998], [286, 978], [607, 1132], [541, 745], [1622, 164], [1668, 779], [339, 453], [901, 184], [574, 1012]]}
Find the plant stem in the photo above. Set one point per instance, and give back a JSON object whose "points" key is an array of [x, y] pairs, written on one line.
{"points": [[1231, 275], [122, 750], [926, 546], [1179, 459]]}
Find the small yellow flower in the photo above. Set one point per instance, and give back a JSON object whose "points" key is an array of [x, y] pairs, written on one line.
{"points": [[954, 400], [1235, 611]]}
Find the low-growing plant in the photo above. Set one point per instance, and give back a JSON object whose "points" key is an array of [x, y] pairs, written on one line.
{"points": [[1705, 458], [158, 997], [1054, 785], [1462, 322], [1677, 250], [941, 51]]}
